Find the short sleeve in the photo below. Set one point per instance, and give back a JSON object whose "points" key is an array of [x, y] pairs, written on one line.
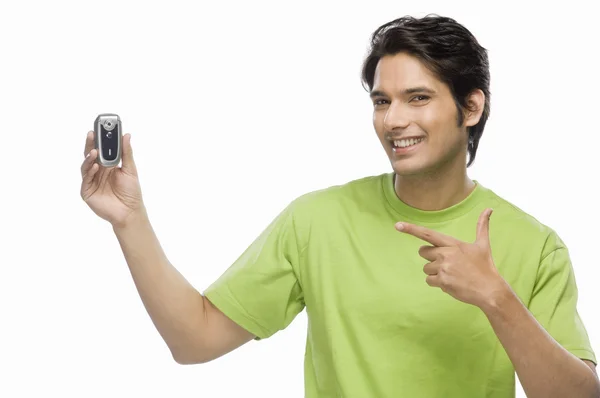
{"points": [[261, 290], [554, 301]]}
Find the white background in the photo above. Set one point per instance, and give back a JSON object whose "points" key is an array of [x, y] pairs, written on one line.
{"points": [[235, 109]]}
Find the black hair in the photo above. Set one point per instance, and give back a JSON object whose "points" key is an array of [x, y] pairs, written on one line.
{"points": [[448, 49]]}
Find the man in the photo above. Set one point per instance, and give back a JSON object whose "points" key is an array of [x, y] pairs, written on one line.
{"points": [[411, 290]]}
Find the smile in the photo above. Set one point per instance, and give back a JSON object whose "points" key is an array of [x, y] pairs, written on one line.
{"points": [[406, 146]]}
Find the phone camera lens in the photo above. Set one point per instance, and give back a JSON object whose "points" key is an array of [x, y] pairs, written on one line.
{"points": [[109, 134], [109, 125]]}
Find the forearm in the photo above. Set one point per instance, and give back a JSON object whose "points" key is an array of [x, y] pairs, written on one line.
{"points": [[544, 367], [174, 305]]}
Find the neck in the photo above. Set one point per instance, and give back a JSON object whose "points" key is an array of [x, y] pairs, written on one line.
{"points": [[435, 190]]}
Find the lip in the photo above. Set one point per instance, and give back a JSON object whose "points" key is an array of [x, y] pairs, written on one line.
{"points": [[406, 150]]}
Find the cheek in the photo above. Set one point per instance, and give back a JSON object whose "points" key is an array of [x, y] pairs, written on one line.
{"points": [[437, 122], [378, 117], [430, 117]]}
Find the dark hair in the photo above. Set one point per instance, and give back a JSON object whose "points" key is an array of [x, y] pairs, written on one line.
{"points": [[448, 49]]}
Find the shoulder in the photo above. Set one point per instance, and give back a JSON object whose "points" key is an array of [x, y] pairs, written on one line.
{"points": [[330, 200], [523, 226]]}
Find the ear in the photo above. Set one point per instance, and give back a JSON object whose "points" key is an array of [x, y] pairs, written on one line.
{"points": [[475, 104]]}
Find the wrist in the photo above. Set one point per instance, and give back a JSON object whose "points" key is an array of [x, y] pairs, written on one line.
{"points": [[497, 297], [134, 220]]}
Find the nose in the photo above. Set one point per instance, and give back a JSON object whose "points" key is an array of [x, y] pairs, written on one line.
{"points": [[395, 117]]}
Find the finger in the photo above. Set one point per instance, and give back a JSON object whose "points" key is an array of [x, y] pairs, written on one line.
{"points": [[432, 268], [433, 280], [89, 143], [483, 226], [429, 252], [88, 162], [426, 234], [128, 162], [88, 178]]}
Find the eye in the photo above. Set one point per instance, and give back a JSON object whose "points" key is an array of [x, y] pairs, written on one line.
{"points": [[380, 101], [420, 98]]}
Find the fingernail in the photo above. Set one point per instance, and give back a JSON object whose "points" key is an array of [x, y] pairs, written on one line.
{"points": [[399, 226]]}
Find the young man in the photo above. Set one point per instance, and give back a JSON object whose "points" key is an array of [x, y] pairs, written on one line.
{"points": [[450, 305]]}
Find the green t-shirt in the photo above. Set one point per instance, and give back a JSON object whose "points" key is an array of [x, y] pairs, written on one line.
{"points": [[375, 328]]}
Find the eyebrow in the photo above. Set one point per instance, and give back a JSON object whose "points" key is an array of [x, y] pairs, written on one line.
{"points": [[407, 91]]}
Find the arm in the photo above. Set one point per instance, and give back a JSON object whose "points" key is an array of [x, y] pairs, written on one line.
{"points": [[544, 367], [194, 330]]}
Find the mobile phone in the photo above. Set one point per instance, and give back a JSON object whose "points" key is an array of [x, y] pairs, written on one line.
{"points": [[108, 135]]}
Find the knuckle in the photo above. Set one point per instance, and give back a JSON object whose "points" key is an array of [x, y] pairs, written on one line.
{"points": [[443, 283]]}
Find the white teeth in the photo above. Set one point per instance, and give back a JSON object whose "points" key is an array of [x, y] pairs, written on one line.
{"points": [[405, 143]]}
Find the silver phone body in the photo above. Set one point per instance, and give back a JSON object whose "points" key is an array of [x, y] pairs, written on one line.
{"points": [[108, 135]]}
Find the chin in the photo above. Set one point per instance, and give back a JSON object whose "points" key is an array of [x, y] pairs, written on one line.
{"points": [[407, 172], [409, 167]]}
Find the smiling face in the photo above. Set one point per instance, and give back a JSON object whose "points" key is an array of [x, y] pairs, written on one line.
{"points": [[410, 101]]}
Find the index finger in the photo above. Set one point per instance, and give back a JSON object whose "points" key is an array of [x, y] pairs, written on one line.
{"points": [[89, 143], [428, 235]]}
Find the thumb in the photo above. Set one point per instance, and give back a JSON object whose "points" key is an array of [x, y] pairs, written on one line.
{"points": [[128, 162], [483, 226]]}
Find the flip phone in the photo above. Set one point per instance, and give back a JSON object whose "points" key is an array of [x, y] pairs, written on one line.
{"points": [[107, 139]]}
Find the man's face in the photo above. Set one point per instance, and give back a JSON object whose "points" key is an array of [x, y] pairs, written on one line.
{"points": [[409, 101]]}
